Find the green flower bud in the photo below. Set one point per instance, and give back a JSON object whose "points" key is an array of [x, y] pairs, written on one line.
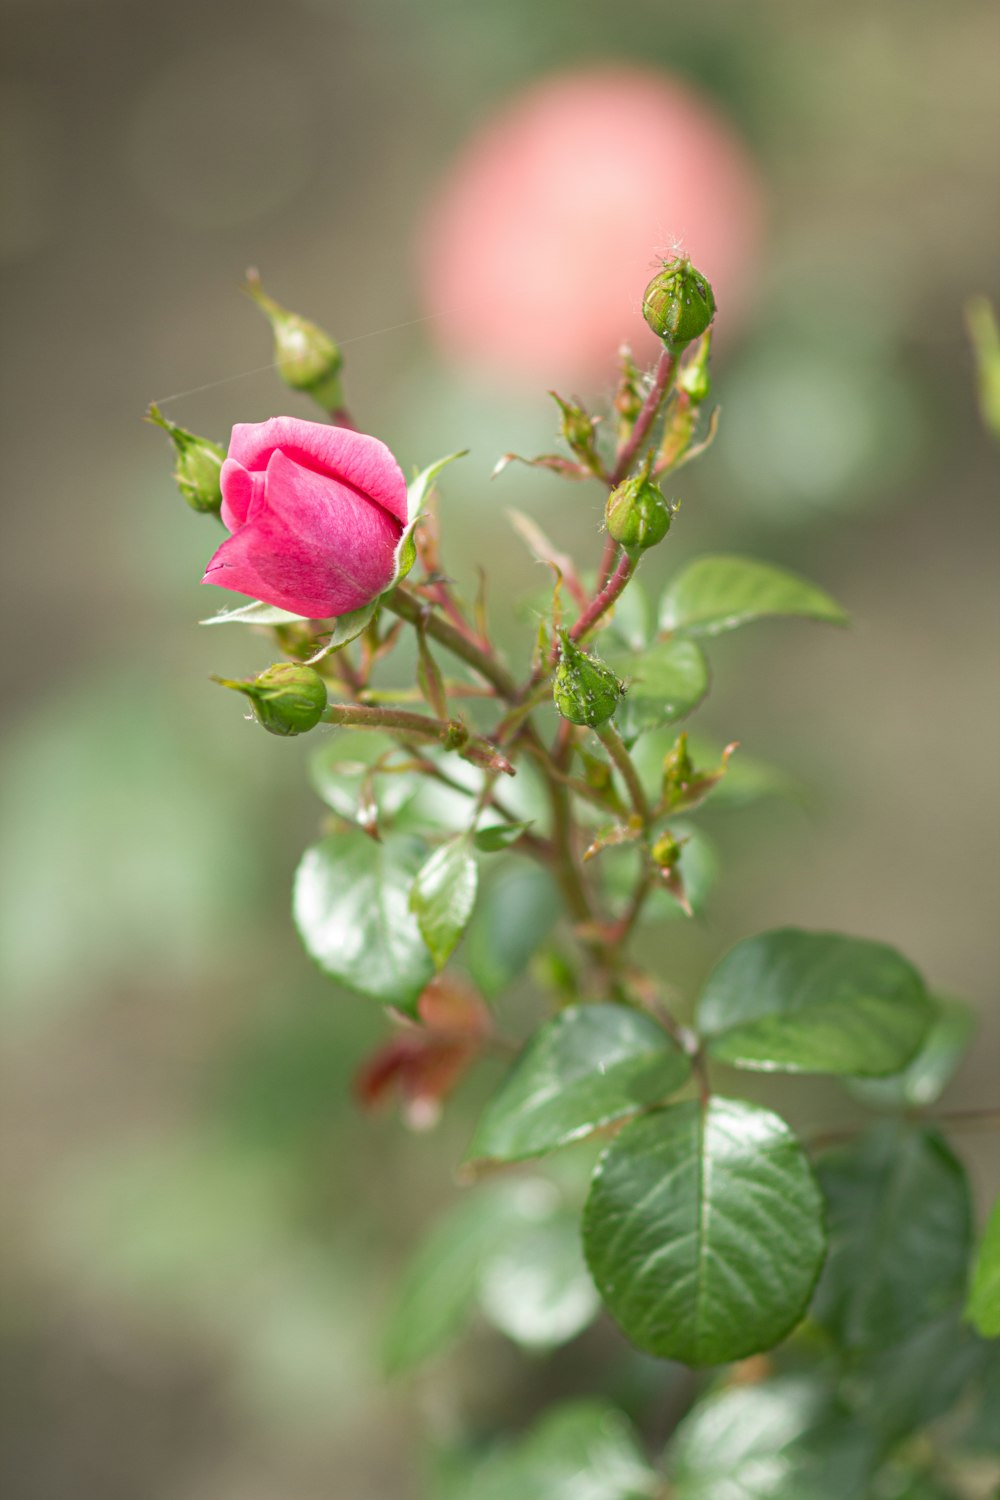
{"points": [[307, 358], [584, 690], [678, 304], [666, 851], [637, 515], [577, 429], [287, 699], [199, 464]]}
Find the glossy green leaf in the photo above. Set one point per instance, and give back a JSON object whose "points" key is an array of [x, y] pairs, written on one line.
{"points": [[443, 895], [341, 772], [351, 907], [255, 613], [714, 594], [584, 1450], [663, 684], [704, 1231], [535, 1288], [899, 1219], [983, 1306], [438, 1289], [514, 914], [512, 1248], [928, 1073], [587, 1066], [782, 1439], [498, 836], [814, 1002]]}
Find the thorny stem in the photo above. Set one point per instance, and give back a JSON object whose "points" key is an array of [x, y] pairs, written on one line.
{"points": [[405, 604]]}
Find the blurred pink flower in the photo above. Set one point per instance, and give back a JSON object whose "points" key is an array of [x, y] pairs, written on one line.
{"points": [[316, 514], [536, 249]]}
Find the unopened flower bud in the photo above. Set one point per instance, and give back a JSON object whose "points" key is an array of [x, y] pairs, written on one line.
{"points": [[666, 851], [198, 467], [287, 699], [637, 515], [585, 689], [307, 358], [577, 430], [678, 304]]}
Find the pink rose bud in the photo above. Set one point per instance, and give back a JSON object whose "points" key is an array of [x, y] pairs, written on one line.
{"points": [[316, 514]]}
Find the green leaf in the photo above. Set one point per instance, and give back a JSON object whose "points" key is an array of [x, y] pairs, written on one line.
{"points": [[928, 1073], [899, 1220], [514, 915], [255, 613], [513, 1248], [416, 498], [438, 1290], [983, 1305], [663, 685], [714, 594], [814, 1002], [346, 628], [782, 1439], [351, 907], [902, 1387], [443, 895], [704, 1231], [584, 1450], [499, 836], [589, 1065], [535, 1287], [343, 764]]}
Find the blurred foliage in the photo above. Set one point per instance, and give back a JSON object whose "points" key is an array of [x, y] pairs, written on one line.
{"points": [[202, 1239]]}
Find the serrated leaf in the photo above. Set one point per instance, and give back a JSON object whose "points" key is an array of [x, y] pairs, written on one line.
{"points": [[782, 1439], [584, 1450], [499, 836], [719, 593], [255, 613], [663, 684], [928, 1073], [983, 1306], [899, 1219], [351, 908], [515, 913], [443, 895], [535, 1287], [813, 1002], [704, 1231], [589, 1065]]}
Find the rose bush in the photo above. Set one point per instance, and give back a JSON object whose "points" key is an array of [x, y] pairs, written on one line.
{"points": [[316, 514]]}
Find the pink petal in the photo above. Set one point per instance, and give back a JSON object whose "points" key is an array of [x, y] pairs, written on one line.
{"points": [[237, 492], [354, 457], [309, 545]]}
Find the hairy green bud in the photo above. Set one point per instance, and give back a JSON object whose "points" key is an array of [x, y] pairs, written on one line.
{"points": [[678, 304], [637, 516], [199, 464], [287, 699], [307, 358], [585, 690]]}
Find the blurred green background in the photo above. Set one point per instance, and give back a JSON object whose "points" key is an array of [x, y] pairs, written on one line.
{"points": [[201, 1233]]}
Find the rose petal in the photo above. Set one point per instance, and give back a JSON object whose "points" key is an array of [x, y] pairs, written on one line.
{"points": [[309, 545], [354, 457], [237, 492]]}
